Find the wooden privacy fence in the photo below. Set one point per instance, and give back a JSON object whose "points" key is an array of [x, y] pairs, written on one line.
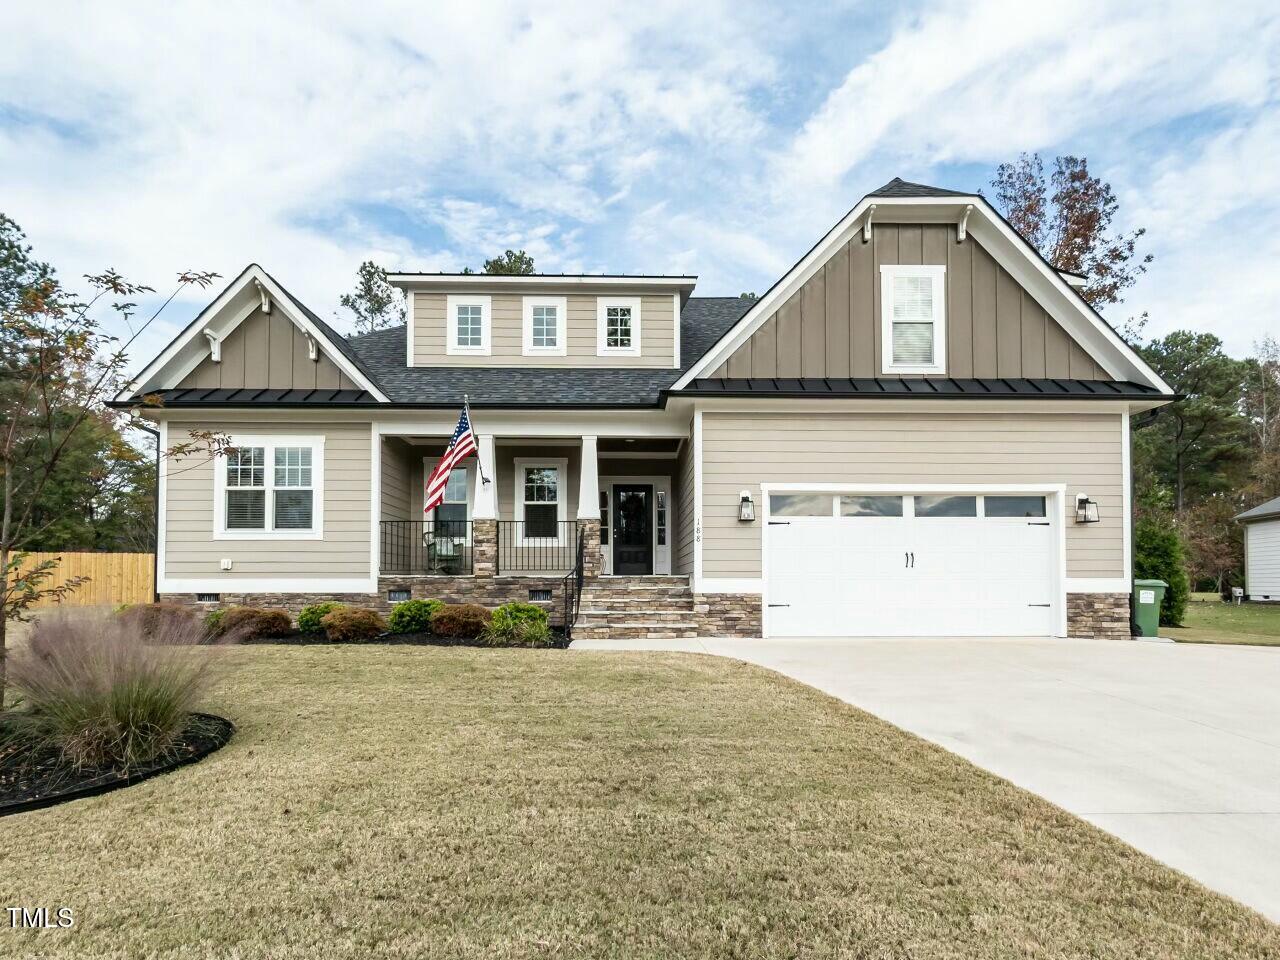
{"points": [[114, 578]]}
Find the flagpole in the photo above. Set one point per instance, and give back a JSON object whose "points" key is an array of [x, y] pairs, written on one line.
{"points": [[466, 406]]}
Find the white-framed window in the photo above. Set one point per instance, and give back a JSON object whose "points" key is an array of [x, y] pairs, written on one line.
{"points": [[913, 318], [618, 326], [544, 326], [470, 320], [455, 509], [269, 488], [541, 499]]}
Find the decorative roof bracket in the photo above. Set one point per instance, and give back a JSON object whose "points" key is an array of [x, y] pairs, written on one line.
{"points": [[215, 345], [313, 349], [266, 297], [962, 228], [866, 224]]}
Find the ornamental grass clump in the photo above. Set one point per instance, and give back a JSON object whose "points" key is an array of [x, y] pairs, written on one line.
{"points": [[102, 693], [519, 625]]}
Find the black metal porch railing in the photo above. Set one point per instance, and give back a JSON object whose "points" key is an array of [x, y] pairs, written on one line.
{"points": [[571, 589], [426, 546], [528, 546]]}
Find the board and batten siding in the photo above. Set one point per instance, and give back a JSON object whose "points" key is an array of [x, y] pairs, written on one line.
{"points": [[1262, 559], [831, 326], [267, 350], [397, 468], [657, 332], [742, 451], [192, 553]]}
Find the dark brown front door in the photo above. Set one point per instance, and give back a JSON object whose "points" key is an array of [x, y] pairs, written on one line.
{"points": [[633, 528]]}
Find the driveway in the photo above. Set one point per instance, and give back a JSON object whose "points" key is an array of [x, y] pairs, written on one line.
{"points": [[1174, 748]]}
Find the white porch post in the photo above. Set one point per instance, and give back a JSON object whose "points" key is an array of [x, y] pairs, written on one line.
{"points": [[588, 482], [486, 494]]}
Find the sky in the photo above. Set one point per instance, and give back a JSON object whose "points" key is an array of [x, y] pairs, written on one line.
{"points": [[720, 139]]}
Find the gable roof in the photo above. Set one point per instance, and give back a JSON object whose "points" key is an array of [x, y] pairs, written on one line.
{"points": [[1262, 511], [901, 201]]}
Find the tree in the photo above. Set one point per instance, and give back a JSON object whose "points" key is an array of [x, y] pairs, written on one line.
{"points": [[375, 303], [1198, 443], [748, 295], [1157, 555], [511, 263], [1261, 406], [1072, 226], [1214, 545], [57, 367]]}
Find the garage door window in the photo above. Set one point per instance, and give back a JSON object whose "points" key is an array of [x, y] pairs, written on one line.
{"points": [[800, 505], [870, 506], [946, 506], [1014, 506]]}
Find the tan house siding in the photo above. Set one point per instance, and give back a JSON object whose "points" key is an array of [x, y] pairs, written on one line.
{"points": [[192, 553], [742, 451], [657, 327], [682, 556], [267, 350], [831, 326], [397, 461]]}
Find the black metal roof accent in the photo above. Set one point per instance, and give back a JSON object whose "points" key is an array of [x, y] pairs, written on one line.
{"points": [[259, 397], [972, 388]]}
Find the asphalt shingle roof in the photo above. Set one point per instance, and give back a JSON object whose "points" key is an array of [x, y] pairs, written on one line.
{"points": [[703, 321], [897, 187], [1262, 511]]}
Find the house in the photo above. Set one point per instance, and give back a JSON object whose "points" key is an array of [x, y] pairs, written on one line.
{"points": [[1262, 551], [921, 429]]}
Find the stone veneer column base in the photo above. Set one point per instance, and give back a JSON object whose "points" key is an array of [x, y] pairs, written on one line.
{"points": [[484, 548], [592, 560], [1104, 616], [728, 614]]}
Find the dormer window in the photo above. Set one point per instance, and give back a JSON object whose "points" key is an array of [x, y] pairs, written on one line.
{"points": [[618, 326], [913, 318], [469, 320], [544, 326]]}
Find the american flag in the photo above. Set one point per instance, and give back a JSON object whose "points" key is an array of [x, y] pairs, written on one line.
{"points": [[461, 446]]}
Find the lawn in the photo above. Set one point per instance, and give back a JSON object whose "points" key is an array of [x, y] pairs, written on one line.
{"points": [[1212, 621], [418, 802]]}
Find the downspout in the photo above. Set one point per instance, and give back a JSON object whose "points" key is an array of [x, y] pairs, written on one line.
{"points": [[1135, 423], [155, 522]]}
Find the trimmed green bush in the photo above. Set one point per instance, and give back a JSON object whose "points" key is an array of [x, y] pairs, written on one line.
{"points": [[519, 625], [310, 616], [413, 616], [213, 622], [1158, 555], [152, 619], [464, 621], [253, 623], [353, 624]]}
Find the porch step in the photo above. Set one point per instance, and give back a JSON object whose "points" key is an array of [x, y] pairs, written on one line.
{"points": [[635, 631], [597, 617], [636, 608]]}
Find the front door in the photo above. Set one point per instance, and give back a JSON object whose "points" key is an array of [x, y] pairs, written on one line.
{"points": [[632, 528]]}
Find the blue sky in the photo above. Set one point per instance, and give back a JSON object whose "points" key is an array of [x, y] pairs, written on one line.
{"points": [[720, 139]]}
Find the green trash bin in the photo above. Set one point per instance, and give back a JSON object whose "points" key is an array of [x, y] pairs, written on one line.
{"points": [[1147, 597]]}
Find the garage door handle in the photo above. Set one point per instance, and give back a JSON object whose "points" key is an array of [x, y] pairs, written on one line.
{"points": [[1039, 523], [1039, 604], [779, 604], [779, 523]]}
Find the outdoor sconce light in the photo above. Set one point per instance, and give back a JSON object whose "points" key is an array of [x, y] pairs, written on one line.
{"points": [[746, 509], [1086, 509]]}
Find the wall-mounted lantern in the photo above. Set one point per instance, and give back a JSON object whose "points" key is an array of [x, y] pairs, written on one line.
{"points": [[746, 509], [1086, 509]]}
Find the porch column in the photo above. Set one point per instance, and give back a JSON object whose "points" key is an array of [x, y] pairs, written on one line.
{"points": [[484, 512], [589, 509]]}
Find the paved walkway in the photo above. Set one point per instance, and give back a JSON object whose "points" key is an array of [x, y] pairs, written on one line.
{"points": [[1174, 748]]}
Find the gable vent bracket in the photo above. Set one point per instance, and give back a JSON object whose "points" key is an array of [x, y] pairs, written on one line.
{"points": [[215, 346], [962, 228], [866, 224], [266, 297], [313, 349]]}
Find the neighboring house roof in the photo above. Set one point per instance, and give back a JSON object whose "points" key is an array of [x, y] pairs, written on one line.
{"points": [[1263, 511], [703, 320], [923, 387]]}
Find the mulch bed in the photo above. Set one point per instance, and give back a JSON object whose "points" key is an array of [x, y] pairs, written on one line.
{"points": [[296, 637], [29, 781]]}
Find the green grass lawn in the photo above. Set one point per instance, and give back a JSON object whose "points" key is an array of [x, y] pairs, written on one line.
{"points": [[1212, 621], [418, 802]]}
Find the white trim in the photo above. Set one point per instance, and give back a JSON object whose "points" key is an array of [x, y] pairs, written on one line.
{"points": [[1055, 507], [602, 306], [484, 504], [1098, 585], [269, 585], [561, 305], [408, 329], [936, 273], [375, 500], [537, 280], [640, 455], [1126, 485], [675, 332], [452, 302], [162, 501], [269, 442], [189, 365], [1012, 252], [589, 480], [696, 440], [664, 555], [561, 466], [733, 585]]}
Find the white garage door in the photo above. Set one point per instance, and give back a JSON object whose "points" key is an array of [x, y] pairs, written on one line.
{"points": [[910, 565]]}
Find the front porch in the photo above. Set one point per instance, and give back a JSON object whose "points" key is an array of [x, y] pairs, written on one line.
{"points": [[519, 507]]}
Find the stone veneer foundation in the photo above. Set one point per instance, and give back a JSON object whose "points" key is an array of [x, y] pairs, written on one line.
{"points": [[728, 614], [1104, 616]]}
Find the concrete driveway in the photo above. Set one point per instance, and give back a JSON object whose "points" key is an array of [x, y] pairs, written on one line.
{"points": [[1174, 748]]}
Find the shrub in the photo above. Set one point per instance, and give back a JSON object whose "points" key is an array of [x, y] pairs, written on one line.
{"points": [[465, 621], [154, 619], [352, 624], [310, 616], [103, 694], [413, 616], [252, 623], [213, 622], [519, 625], [1158, 555]]}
